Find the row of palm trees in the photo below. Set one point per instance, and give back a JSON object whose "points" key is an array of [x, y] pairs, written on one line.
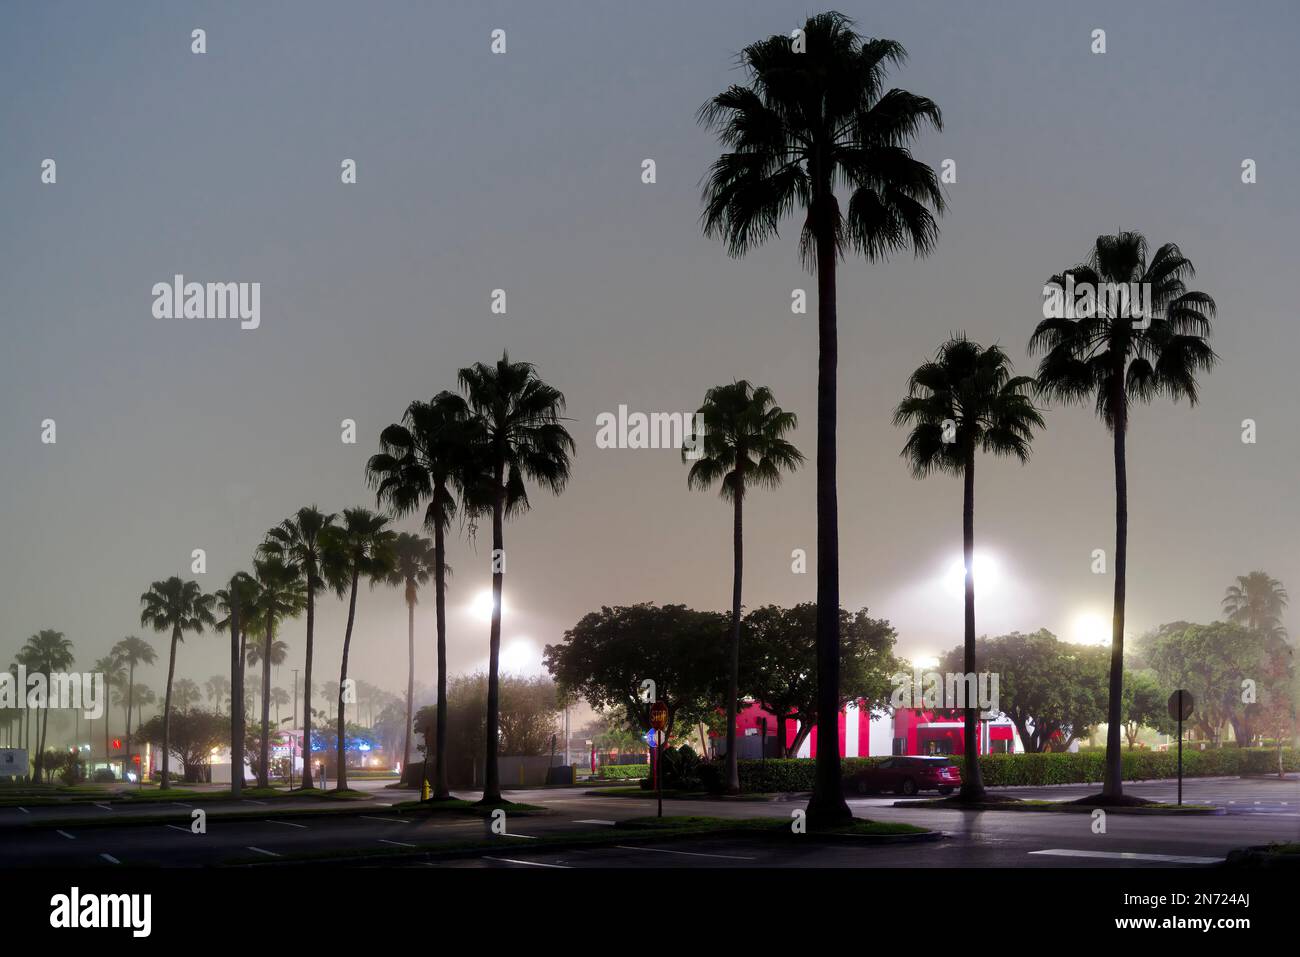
{"points": [[814, 117]]}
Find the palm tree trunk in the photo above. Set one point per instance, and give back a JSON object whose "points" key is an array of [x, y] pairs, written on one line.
{"points": [[167, 713], [491, 773], [236, 714], [972, 785], [441, 791], [306, 686], [264, 771], [827, 805], [410, 680], [1113, 786], [733, 670], [341, 777], [42, 735]]}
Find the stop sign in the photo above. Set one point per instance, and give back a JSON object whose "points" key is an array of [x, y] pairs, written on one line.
{"points": [[658, 715], [1181, 704]]}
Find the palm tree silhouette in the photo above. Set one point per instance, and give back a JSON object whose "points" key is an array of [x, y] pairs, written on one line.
{"points": [[279, 594], [297, 542], [1105, 352], [521, 435], [413, 563], [809, 120], [965, 401], [1257, 601], [177, 606], [235, 601], [743, 446], [185, 694], [132, 651], [110, 666], [430, 458], [360, 546], [46, 652], [217, 688]]}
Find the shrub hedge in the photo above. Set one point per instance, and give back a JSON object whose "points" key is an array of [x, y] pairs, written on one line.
{"points": [[625, 771], [1001, 770]]}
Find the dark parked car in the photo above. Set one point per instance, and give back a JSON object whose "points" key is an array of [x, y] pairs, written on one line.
{"points": [[907, 775]]}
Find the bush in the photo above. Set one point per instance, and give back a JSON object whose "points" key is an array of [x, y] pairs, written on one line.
{"points": [[624, 772]]}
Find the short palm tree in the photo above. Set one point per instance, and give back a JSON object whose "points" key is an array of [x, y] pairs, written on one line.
{"points": [[413, 564], [360, 546], [743, 447], [1257, 601], [297, 542], [522, 437], [45, 652], [110, 666], [132, 651], [279, 594], [963, 402], [1109, 355], [235, 603], [177, 606], [809, 120], [429, 458]]}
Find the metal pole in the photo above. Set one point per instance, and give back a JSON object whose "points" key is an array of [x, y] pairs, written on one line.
{"points": [[658, 784], [1180, 751]]}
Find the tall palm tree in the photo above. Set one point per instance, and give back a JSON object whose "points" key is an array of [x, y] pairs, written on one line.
{"points": [[132, 651], [1257, 601], [297, 542], [413, 564], [235, 602], [217, 688], [430, 458], [521, 437], [744, 446], [1106, 353], [186, 693], [177, 606], [807, 122], [361, 546], [279, 594], [966, 401], [279, 698], [45, 652], [110, 666]]}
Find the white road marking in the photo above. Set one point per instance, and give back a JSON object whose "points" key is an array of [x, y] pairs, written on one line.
{"points": [[24, 810], [110, 858], [511, 860], [596, 820], [251, 801], [1129, 856], [531, 837], [285, 823], [390, 820], [66, 834], [397, 843], [104, 806], [661, 850], [177, 827], [180, 804], [261, 851]]}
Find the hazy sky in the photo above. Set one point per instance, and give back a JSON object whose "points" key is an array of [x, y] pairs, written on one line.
{"points": [[522, 171]]}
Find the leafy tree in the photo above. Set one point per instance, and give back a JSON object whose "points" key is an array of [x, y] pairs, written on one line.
{"points": [[810, 119], [779, 666], [964, 402], [1053, 691], [432, 458], [607, 655], [194, 734], [298, 542], [1103, 351], [176, 606], [1145, 704], [744, 446], [361, 546], [520, 436]]}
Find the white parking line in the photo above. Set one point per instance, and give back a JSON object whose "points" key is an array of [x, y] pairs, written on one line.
{"points": [[1129, 856], [177, 827], [110, 858], [596, 820], [104, 806], [261, 851], [251, 801], [390, 820], [661, 850], [180, 804], [24, 810], [397, 843], [531, 837], [511, 860], [285, 823], [66, 834]]}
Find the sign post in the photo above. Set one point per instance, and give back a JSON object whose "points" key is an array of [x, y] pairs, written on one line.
{"points": [[1180, 709], [658, 721]]}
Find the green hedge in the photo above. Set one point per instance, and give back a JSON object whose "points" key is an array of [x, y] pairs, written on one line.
{"points": [[624, 772], [1001, 770]]}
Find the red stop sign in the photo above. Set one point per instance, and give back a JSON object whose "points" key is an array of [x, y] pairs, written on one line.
{"points": [[658, 715]]}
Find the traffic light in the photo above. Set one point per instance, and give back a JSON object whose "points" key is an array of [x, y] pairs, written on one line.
{"points": [[135, 759], [117, 742]]}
